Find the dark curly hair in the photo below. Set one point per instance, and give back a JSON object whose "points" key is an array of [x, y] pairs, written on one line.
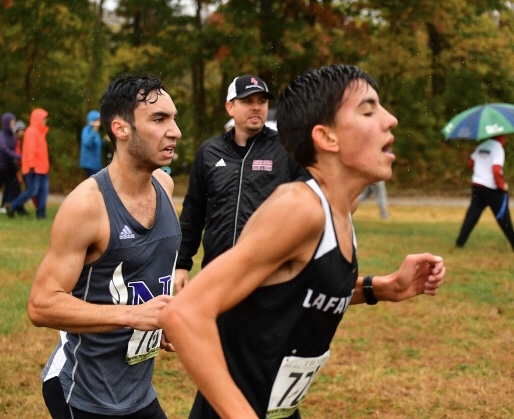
{"points": [[311, 99], [123, 95]]}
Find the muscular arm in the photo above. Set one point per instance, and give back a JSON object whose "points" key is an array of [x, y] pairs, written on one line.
{"points": [[189, 321], [79, 234]]}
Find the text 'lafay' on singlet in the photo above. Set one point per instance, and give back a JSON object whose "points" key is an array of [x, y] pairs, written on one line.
{"points": [[278, 338]]}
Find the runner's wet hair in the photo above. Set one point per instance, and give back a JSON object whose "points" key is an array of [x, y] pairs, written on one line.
{"points": [[311, 99], [123, 95]]}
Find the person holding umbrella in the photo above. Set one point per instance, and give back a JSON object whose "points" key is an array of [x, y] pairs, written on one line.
{"points": [[489, 189]]}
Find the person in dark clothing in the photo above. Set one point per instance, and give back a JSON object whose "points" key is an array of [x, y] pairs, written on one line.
{"points": [[19, 133], [232, 174], [488, 189], [9, 159], [254, 327]]}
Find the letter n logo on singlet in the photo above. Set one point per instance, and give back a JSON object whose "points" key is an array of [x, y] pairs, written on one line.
{"points": [[140, 291]]}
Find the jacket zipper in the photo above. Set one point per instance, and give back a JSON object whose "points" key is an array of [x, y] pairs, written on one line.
{"points": [[239, 193]]}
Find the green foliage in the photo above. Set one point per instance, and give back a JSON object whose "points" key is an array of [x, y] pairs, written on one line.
{"points": [[431, 59]]}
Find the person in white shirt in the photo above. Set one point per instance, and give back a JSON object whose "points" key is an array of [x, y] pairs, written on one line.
{"points": [[488, 189]]}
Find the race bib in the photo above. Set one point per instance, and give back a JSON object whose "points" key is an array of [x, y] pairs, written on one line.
{"points": [[143, 345], [292, 383]]}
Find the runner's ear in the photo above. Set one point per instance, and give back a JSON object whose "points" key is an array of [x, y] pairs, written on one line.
{"points": [[120, 128], [325, 139]]}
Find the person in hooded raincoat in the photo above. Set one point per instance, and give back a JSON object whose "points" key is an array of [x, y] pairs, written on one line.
{"points": [[91, 144], [35, 166]]}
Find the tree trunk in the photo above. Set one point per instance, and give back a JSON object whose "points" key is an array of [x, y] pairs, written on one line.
{"points": [[93, 68], [197, 75]]}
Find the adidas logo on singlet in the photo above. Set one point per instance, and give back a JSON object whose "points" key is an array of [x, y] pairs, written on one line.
{"points": [[126, 233]]}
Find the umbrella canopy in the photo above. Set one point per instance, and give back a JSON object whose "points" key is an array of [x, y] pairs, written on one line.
{"points": [[481, 122]]}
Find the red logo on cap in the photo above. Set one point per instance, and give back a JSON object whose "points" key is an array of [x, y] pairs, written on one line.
{"points": [[254, 81]]}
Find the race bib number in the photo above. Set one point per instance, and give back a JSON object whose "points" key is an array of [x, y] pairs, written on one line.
{"points": [[143, 345], [292, 383]]}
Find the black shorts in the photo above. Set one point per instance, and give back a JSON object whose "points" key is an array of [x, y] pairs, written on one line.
{"points": [[59, 409]]}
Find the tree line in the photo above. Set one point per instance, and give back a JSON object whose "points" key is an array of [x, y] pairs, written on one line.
{"points": [[431, 60]]}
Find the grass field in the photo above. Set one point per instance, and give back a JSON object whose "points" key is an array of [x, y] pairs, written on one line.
{"points": [[445, 357]]}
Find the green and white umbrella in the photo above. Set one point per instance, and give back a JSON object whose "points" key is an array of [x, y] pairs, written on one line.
{"points": [[481, 122]]}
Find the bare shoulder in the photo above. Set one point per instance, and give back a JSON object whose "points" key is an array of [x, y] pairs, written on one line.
{"points": [[85, 200], [298, 200], [292, 206], [165, 181], [82, 214], [291, 223]]}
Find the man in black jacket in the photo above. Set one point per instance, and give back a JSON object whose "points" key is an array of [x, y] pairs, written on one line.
{"points": [[233, 173]]}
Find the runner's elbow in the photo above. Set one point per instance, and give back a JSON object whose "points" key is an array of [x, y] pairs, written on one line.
{"points": [[171, 319], [34, 314]]}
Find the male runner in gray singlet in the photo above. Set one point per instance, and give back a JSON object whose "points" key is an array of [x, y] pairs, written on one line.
{"points": [[110, 267], [255, 326]]}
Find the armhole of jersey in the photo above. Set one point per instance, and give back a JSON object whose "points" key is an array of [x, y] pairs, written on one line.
{"points": [[354, 236], [102, 180], [329, 239]]}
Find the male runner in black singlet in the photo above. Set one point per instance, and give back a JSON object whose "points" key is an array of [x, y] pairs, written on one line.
{"points": [[255, 326]]}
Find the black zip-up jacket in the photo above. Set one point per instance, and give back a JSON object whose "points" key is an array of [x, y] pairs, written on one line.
{"points": [[225, 189]]}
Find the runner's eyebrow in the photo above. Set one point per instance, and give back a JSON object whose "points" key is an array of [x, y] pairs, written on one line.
{"points": [[164, 114], [367, 101]]}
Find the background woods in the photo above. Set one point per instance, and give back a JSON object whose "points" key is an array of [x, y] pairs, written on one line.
{"points": [[431, 59]]}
